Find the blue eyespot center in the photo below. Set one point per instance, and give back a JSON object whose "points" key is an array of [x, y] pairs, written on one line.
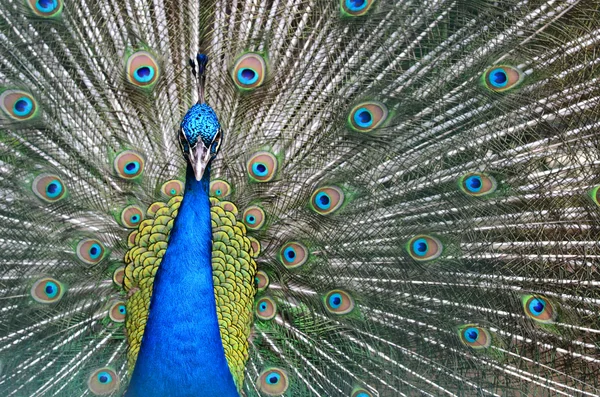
{"points": [[144, 74], [362, 395], [135, 218], [498, 78], [23, 106], [323, 201], [46, 5], [273, 378], [289, 254], [363, 118], [132, 167], [95, 251], [173, 192], [536, 306], [251, 219], [122, 309], [54, 189], [262, 307], [420, 247], [51, 289], [260, 169], [473, 183], [356, 5], [218, 192], [335, 300], [104, 378], [247, 76], [471, 335]]}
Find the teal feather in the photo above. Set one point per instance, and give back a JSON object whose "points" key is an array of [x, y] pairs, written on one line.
{"points": [[425, 74]]}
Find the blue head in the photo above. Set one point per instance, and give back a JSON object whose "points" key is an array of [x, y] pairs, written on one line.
{"points": [[200, 134]]}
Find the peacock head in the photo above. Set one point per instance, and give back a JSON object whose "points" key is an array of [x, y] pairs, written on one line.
{"points": [[200, 137], [200, 134]]}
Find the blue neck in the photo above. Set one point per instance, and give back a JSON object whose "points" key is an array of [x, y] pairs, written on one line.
{"points": [[181, 352]]}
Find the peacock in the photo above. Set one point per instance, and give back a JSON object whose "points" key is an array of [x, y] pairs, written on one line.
{"points": [[362, 198]]}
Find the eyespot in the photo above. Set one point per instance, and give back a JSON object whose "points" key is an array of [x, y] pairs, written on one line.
{"points": [[424, 248], [254, 217], [262, 280], [266, 308], [47, 290], [361, 393], [356, 8], [477, 184], [595, 195], [338, 302], [367, 116], [502, 78], [220, 188], [18, 105], [273, 382], [142, 69], [172, 188], [49, 187], [129, 165], [90, 251], [474, 336], [131, 238], [119, 275], [117, 311], [249, 71], [262, 167], [46, 8], [293, 255], [539, 308], [255, 245], [132, 216], [327, 200], [103, 381]]}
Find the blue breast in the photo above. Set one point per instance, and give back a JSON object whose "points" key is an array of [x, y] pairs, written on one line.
{"points": [[181, 352]]}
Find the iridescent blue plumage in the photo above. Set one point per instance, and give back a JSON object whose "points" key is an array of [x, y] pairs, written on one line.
{"points": [[200, 121]]}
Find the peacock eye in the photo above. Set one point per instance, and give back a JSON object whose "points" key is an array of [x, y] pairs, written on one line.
{"points": [[474, 336], [262, 280], [131, 216], [327, 200], [367, 116], [142, 69], [48, 187], [338, 302], [539, 308], [119, 275], [172, 188], [356, 8], [255, 245], [361, 393], [18, 105], [47, 290], [220, 188], [254, 217], [502, 78], [262, 167], [273, 382], [128, 165], [103, 381], [424, 248], [266, 308], [477, 184], [117, 311], [90, 251], [46, 8], [293, 255], [249, 71]]}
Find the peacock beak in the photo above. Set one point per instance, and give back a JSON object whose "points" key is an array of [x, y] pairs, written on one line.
{"points": [[199, 158]]}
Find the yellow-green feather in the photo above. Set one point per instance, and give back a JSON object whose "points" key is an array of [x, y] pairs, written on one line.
{"points": [[234, 269]]}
